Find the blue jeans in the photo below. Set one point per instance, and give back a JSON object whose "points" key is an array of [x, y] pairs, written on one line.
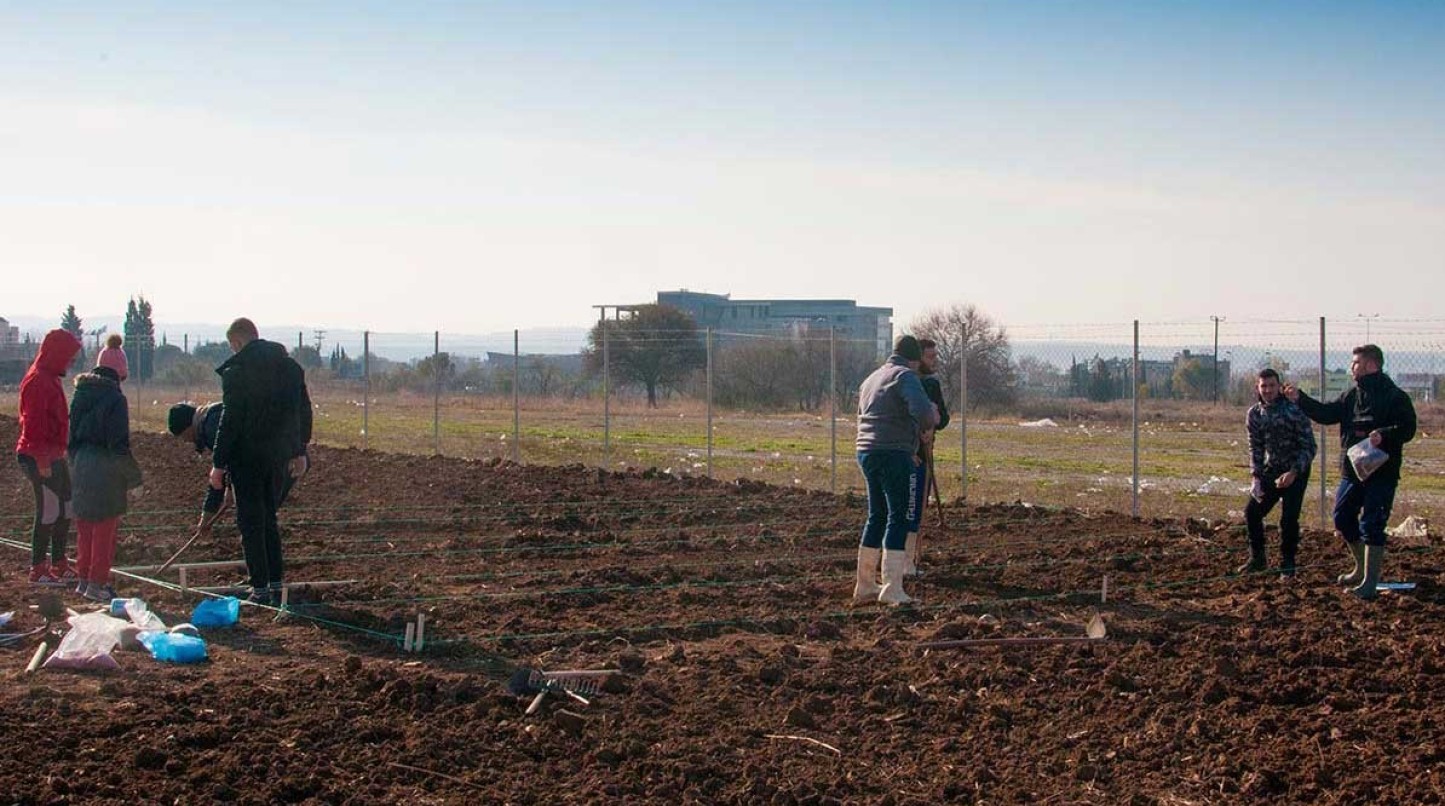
{"points": [[887, 474], [1362, 508], [917, 495]]}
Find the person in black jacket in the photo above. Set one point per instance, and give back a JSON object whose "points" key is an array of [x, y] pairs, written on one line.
{"points": [[1377, 410], [923, 462], [264, 427], [103, 473]]}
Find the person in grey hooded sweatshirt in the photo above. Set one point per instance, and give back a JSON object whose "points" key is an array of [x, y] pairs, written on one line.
{"points": [[894, 412]]}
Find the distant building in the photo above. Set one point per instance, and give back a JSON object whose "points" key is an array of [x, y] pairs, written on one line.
{"points": [[15, 353], [730, 317], [9, 334]]}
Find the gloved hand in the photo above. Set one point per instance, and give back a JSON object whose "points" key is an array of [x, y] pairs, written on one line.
{"points": [[1256, 490], [298, 466]]}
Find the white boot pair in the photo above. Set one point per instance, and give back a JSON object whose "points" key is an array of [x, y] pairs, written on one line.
{"points": [[867, 589]]}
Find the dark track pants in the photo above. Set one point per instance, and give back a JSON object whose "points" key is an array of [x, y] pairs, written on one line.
{"points": [[52, 509], [259, 486]]}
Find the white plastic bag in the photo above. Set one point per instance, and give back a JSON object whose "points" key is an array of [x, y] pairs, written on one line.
{"points": [[1366, 458], [89, 643], [141, 616]]}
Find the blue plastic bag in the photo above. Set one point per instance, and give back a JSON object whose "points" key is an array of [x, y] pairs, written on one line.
{"points": [[173, 648], [221, 612]]}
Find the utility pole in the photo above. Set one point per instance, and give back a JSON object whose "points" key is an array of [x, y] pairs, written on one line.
{"points": [[1217, 320], [1367, 318]]}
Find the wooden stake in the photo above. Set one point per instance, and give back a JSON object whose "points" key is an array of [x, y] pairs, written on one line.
{"points": [[184, 586], [410, 636], [420, 631]]}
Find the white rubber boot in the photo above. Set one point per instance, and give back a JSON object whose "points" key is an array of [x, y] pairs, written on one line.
{"points": [[910, 551], [893, 565], [865, 590]]}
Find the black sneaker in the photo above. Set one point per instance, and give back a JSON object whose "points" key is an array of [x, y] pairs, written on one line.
{"points": [[261, 596]]}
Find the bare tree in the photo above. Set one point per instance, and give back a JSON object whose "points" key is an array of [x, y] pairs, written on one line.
{"points": [[962, 329]]}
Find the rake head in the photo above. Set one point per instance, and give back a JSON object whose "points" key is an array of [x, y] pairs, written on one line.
{"points": [[526, 681]]}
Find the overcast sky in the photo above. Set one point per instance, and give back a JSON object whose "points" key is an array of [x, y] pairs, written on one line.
{"points": [[475, 167]]}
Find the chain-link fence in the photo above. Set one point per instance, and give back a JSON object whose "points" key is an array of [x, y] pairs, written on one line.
{"points": [[1137, 417]]}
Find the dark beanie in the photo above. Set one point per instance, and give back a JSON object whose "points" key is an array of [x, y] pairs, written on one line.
{"points": [[907, 348], [180, 418]]}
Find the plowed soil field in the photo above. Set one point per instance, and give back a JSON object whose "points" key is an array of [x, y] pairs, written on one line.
{"points": [[743, 675]]}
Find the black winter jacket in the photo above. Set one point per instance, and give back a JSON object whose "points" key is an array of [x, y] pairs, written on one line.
{"points": [[102, 468], [267, 411], [934, 390], [1374, 403]]}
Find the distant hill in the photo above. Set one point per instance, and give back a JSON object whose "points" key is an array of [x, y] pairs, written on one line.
{"points": [[394, 346]]}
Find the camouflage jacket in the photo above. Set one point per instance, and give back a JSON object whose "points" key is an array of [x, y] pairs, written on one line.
{"points": [[1281, 438]]}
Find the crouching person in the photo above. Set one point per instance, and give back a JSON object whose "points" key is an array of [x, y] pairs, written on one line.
{"points": [[893, 412]]}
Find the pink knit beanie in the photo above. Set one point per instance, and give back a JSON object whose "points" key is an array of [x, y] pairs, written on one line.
{"points": [[113, 358]]}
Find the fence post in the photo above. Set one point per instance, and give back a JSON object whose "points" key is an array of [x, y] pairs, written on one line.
{"points": [[436, 409], [963, 415], [1323, 439], [516, 396], [606, 396], [365, 388], [1134, 396], [185, 348], [709, 402], [833, 408]]}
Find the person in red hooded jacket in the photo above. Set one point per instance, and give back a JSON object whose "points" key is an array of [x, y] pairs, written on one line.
{"points": [[44, 432]]}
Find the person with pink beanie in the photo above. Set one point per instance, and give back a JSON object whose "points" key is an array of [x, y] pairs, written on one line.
{"points": [[104, 472], [113, 357]]}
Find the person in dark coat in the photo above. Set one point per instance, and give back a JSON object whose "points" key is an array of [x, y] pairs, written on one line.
{"points": [[40, 451], [103, 473], [264, 427], [1377, 411], [919, 483]]}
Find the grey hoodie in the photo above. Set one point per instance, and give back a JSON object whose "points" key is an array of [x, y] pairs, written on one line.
{"points": [[893, 409]]}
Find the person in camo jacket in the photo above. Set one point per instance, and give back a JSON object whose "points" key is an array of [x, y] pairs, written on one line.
{"points": [[1281, 450]]}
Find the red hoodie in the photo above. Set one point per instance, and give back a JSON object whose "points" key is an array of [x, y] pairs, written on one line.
{"points": [[44, 417]]}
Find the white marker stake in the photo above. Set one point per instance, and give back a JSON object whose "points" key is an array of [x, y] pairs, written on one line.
{"points": [[183, 579], [36, 658], [410, 635], [420, 631]]}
